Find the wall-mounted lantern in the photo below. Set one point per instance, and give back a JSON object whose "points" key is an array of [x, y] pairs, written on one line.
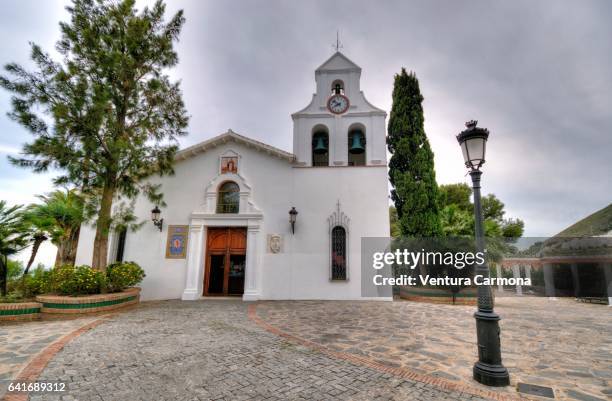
{"points": [[157, 222], [292, 218]]}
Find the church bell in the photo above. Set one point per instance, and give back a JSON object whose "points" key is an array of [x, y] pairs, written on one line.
{"points": [[357, 146], [320, 146]]}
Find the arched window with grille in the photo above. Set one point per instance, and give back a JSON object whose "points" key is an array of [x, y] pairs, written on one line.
{"points": [[228, 198], [338, 253]]}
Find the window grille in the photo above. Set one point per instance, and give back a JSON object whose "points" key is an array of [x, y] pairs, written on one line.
{"points": [[228, 199], [338, 255]]}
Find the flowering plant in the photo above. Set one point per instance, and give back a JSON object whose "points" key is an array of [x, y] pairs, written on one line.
{"points": [[121, 275]]}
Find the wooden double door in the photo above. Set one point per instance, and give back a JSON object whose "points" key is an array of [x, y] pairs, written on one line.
{"points": [[225, 261]]}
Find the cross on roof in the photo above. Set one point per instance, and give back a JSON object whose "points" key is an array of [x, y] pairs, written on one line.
{"points": [[338, 44]]}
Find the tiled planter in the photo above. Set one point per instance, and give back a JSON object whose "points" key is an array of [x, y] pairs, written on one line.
{"points": [[88, 303], [20, 311], [466, 296]]}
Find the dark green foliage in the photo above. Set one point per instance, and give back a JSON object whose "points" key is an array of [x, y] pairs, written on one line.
{"points": [[12, 297], [492, 208], [15, 269], [115, 114], [394, 223], [22, 287], [457, 214], [512, 228], [458, 195], [456, 221], [37, 282], [411, 167], [121, 275]]}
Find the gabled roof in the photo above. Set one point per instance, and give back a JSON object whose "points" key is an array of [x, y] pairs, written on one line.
{"points": [[231, 136], [598, 223], [338, 61]]}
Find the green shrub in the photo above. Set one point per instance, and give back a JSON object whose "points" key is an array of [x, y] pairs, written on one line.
{"points": [[60, 278], [36, 282], [14, 269], [79, 280], [121, 275], [13, 297], [83, 280], [26, 287], [13, 276]]}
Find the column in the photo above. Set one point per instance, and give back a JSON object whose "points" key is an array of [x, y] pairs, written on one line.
{"points": [[337, 136], [516, 273], [528, 271], [575, 279], [498, 268], [608, 277], [195, 270], [549, 280], [252, 279]]}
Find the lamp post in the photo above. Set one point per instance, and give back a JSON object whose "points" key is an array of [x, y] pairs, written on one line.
{"points": [[157, 222], [488, 369]]}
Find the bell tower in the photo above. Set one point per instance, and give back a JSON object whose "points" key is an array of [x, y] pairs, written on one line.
{"points": [[339, 127]]}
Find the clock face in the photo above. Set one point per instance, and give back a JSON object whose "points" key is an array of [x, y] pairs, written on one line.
{"points": [[338, 104]]}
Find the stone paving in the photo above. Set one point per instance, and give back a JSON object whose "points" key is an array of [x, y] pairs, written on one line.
{"points": [[20, 341], [560, 343], [211, 350]]}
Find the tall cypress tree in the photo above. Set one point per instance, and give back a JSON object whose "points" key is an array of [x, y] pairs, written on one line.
{"points": [[411, 168]]}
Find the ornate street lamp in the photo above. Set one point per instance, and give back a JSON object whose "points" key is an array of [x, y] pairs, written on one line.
{"points": [[488, 369], [157, 222], [292, 218]]}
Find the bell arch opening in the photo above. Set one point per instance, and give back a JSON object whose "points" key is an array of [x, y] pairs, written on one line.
{"points": [[320, 146], [357, 145]]}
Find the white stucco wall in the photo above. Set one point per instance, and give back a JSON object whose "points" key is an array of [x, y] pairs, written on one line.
{"points": [[301, 271]]}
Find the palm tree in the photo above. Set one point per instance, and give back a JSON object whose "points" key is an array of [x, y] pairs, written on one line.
{"points": [[40, 226], [14, 237], [60, 216]]}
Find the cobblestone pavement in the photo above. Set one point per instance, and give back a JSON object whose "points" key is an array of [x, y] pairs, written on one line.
{"points": [[562, 344], [211, 350], [20, 341]]}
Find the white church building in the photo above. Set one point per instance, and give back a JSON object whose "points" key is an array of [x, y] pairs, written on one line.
{"points": [[227, 229]]}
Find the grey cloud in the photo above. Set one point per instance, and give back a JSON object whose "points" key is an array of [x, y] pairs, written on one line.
{"points": [[537, 74]]}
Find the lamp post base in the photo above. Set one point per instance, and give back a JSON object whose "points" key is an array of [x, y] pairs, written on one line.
{"points": [[489, 369], [491, 375]]}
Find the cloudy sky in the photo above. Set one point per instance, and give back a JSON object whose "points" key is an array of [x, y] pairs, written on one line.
{"points": [[537, 74]]}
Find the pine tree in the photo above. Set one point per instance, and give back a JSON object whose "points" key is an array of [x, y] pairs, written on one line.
{"points": [[411, 168], [116, 115]]}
